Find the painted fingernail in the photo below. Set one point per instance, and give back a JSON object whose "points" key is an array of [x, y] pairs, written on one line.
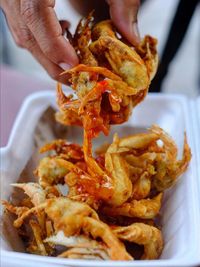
{"points": [[65, 66], [136, 30]]}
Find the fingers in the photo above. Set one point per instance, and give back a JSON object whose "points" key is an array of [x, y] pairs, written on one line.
{"points": [[25, 39], [23, 36], [53, 69], [41, 20], [124, 15]]}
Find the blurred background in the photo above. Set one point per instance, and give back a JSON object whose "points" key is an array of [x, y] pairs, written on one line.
{"points": [[156, 17], [175, 23]]}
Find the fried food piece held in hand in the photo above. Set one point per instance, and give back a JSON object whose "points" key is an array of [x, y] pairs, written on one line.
{"points": [[111, 79]]}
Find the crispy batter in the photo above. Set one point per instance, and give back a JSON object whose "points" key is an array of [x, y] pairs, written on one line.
{"points": [[57, 208], [138, 141], [38, 237], [19, 211], [82, 39], [81, 246], [142, 234], [116, 166], [96, 229], [34, 191], [110, 80], [71, 216], [142, 187], [123, 60], [167, 167], [20, 220], [50, 171], [60, 147], [80, 241], [85, 253], [144, 208], [148, 53]]}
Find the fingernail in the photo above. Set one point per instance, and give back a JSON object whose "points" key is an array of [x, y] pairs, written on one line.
{"points": [[65, 66], [136, 30]]}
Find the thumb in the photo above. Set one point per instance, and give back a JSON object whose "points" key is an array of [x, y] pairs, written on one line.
{"points": [[124, 16]]}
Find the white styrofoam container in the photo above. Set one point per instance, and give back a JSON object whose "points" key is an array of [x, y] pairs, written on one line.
{"points": [[180, 211]]}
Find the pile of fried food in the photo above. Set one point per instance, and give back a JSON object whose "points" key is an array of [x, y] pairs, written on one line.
{"points": [[114, 195]]}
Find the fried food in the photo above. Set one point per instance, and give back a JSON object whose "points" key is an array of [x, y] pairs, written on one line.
{"points": [[167, 167], [144, 208], [85, 253], [101, 187], [72, 152], [80, 241], [115, 196], [123, 60], [34, 191], [19, 211], [70, 217], [148, 236], [50, 171], [38, 237], [117, 167], [75, 223], [110, 80]]}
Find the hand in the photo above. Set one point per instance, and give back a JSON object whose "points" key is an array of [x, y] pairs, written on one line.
{"points": [[34, 26], [122, 12], [124, 15]]}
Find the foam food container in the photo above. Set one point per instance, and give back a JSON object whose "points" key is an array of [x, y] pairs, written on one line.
{"points": [[180, 214]]}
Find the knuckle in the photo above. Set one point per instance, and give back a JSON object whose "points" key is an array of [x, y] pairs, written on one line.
{"points": [[28, 9], [25, 38]]}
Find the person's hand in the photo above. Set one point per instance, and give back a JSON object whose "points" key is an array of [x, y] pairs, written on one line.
{"points": [[124, 16], [34, 26]]}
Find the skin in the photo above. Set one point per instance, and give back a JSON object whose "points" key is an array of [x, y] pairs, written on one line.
{"points": [[35, 27]]}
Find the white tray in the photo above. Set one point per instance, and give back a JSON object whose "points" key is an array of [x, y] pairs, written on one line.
{"points": [[180, 212]]}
